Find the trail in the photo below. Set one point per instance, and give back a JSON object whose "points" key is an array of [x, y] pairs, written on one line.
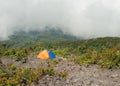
{"points": [[90, 75]]}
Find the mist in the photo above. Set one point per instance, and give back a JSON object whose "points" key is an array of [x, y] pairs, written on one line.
{"points": [[86, 18]]}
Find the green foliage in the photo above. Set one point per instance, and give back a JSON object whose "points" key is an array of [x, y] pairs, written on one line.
{"points": [[48, 71], [101, 51], [13, 76], [104, 52], [22, 38], [63, 74]]}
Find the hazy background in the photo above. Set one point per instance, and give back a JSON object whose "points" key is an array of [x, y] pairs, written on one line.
{"points": [[88, 18]]}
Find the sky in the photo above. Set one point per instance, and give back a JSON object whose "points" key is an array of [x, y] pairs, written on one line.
{"points": [[86, 18]]}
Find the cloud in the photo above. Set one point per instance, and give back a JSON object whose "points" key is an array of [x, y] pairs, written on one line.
{"points": [[86, 18]]}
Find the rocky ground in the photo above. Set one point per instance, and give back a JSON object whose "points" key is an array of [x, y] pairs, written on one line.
{"points": [[90, 75]]}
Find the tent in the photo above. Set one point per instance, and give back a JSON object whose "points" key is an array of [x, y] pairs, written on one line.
{"points": [[45, 54]]}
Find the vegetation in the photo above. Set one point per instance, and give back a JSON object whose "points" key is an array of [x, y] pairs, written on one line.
{"points": [[13, 76], [104, 52], [23, 38]]}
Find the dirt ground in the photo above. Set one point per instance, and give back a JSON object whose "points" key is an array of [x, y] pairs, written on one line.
{"points": [[90, 75]]}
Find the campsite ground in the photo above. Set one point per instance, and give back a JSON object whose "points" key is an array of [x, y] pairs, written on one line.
{"points": [[87, 75]]}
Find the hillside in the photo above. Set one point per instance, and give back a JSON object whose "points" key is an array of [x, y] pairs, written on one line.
{"points": [[24, 44], [22, 38], [101, 56]]}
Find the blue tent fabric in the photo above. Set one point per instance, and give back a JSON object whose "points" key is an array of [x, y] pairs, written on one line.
{"points": [[51, 54]]}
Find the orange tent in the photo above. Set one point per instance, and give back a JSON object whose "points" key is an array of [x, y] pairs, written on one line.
{"points": [[43, 55]]}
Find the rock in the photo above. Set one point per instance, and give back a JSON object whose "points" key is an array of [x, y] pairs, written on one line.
{"points": [[67, 81], [24, 60], [114, 76], [17, 59], [0, 62]]}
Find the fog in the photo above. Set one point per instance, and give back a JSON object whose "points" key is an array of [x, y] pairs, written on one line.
{"points": [[86, 18]]}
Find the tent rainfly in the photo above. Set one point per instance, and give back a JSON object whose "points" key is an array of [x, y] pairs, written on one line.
{"points": [[45, 54]]}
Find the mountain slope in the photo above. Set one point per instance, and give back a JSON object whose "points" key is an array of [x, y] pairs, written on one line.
{"points": [[22, 38]]}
